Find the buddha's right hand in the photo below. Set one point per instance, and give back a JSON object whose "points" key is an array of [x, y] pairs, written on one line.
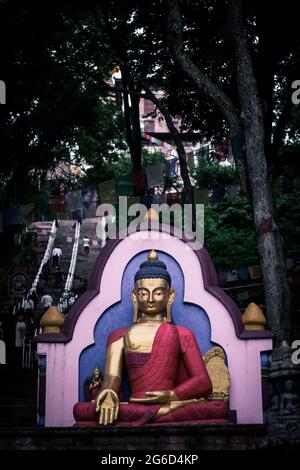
{"points": [[107, 402]]}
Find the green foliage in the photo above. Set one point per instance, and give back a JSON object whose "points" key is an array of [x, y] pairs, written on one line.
{"points": [[152, 158], [211, 174], [42, 203], [120, 165], [288, 208], [229, 233]]}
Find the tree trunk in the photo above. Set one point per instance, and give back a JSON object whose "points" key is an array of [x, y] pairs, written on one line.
{"points": [[269, 242], [203, 82], [132, 121], [188, 190], [136, 134]]}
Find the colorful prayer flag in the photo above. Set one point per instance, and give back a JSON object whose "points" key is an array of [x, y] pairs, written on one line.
{"points": [[170, 167], [238, 146], [154, 175], [74, 200], [107, 192], [255, 272], [12, 216], [190, 160], [173, 198], [27, 213], [125, 185], [201, 196], [139, 180], [232, 275]]}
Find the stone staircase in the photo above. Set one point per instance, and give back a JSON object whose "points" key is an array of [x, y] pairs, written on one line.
{"points": [[18, 395], [84, 263], [18, 387]]}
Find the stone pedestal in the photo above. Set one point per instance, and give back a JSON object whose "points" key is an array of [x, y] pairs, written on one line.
{"points": [[283, 425], [113, 439]]}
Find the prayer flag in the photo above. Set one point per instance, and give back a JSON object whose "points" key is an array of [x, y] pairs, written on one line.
{"points": [[289, 263], [159, 198], [218, 194], [90, 212], [89, 195], [154, 175], [190, 160], [12, 216], [238, 146], [146, 200], [243, 274], [173, 198], [170, 167], [255, 272], [242, 295], [233, 191], [27, 213], [232, 275], [201, 196], [74, 200], [107, 192], [139, 180], [125, 185]]}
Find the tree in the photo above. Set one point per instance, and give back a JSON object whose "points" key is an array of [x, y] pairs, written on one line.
{"points": [[246, 118], [54, 113]]}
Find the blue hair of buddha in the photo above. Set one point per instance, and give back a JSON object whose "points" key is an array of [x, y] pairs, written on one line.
{"points": [[153, 269]]}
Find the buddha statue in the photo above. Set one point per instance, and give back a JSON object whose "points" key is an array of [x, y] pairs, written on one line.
{"points": [[94, 384], [168, 377]]}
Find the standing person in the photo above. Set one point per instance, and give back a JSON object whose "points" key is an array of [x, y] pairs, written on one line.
{"points": [[86, 245], [20, 333], [77, 216], [45, 272], [56, 254], [175, 169], [46, 301], [34, 296], [59, 277], [29, 306]]}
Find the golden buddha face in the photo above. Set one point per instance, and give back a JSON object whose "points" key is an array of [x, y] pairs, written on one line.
{"points": [[152, 295]]}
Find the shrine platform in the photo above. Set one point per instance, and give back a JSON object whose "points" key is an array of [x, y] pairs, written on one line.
{"points": [[180, 437]]}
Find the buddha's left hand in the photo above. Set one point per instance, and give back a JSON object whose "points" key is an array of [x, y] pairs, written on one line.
{"points": [[161, 396]]}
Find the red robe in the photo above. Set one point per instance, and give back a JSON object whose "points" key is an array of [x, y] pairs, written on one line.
{"points": [[175, 363]]}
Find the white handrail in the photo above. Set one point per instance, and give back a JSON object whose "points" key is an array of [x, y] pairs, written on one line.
{"points": [[27, 360], [63, 301], [46, 257]]}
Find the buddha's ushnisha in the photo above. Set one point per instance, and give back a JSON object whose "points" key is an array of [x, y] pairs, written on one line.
{"points": [[167, 375]]}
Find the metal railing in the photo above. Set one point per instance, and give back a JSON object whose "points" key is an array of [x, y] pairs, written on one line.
{"points": [[27, 354], [46, 256], [65, 301], [45, 259]]}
